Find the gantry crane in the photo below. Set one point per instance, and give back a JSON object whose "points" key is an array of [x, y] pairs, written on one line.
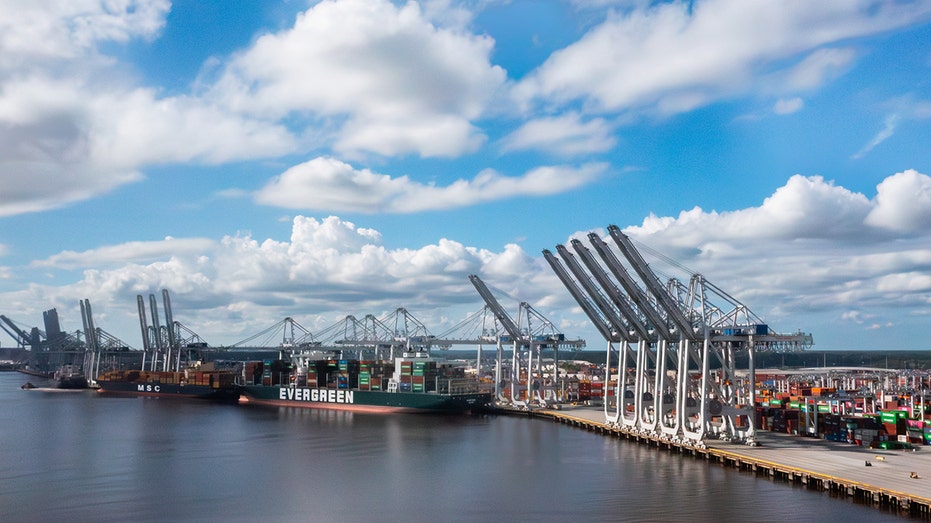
{"points": [[526, 341], [679, 332]]}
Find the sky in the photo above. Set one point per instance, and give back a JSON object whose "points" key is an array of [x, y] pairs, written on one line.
{"points": [[314, 160]]}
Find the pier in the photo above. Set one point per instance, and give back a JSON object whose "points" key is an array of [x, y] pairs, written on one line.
{"points": [[895, 480]]}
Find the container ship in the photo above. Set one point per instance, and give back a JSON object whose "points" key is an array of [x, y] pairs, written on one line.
{"points": [[217, 385], [411, 383]]}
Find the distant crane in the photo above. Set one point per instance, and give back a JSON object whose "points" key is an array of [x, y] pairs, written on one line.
{"points": [[49, 349], [162, 344], [104, 350], [538, 389]]}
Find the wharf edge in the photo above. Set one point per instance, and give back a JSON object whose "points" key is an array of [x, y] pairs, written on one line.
{"points": [[896, 496]]}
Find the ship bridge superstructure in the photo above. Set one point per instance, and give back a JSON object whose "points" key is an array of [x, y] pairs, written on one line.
{"points": [[674, 342]]}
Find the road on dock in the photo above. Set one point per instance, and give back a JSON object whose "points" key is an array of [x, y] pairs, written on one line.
{"points": [[903, 471]]}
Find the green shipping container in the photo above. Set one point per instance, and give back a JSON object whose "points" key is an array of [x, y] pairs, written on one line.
{"points": [[892, 416]]}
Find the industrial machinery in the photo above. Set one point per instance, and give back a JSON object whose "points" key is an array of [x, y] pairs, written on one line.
{"points": [[675, 344]]}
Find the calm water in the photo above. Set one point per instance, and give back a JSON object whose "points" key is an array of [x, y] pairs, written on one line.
{"points": [[78, 456]]}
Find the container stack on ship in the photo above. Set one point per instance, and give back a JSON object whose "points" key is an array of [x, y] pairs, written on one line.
{"points": [[413, 382]]}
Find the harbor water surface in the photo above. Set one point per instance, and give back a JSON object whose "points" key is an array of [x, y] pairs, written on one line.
{"points": [[80, 456]]}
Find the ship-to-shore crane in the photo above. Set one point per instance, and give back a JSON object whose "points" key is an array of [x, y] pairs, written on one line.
{"points": [[684, 385]]}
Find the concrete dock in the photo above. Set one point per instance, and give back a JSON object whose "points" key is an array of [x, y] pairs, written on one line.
{"points": [[895, 479]]}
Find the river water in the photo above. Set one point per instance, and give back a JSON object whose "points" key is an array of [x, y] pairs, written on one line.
{"points": [[80, 456]]}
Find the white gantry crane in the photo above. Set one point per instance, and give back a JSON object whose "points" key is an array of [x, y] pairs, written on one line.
{"points": [[529, 383], [675, 344]]}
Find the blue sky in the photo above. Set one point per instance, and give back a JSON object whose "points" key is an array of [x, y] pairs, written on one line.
{"points": [[320, 159]]}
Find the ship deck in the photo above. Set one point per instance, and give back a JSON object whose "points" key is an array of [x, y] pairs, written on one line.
{"points": [[896, 479]]}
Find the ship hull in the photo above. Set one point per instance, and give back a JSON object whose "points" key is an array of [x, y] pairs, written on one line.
{"points": [[209, 385], [70, 382], [59, 380], [363, 400], [170, 390]]}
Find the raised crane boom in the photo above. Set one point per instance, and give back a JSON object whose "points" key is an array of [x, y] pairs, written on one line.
{"points": [[633, 319], [653, 285], [597, 320], [640, 299], [495, 307], [598, 298], [22, 337]]}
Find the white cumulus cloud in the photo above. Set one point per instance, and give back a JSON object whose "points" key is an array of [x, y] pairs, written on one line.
{"points": [[565, 135], [332, 185], [903, 203], [675, 56], [73, 124], [238, 285], [788, 106], [396, 83]]}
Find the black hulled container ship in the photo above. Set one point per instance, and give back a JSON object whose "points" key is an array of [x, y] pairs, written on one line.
{"points": [[413, 383], [209, 384]]}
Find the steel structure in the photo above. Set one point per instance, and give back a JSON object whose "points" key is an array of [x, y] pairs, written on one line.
{"points": [[675, 344], [104, 350], [165, 347], [400, 332], [527, 383], [49, 349], [289, 335]]}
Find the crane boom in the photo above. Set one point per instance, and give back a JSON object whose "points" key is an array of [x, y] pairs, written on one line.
{"points": [[169, 321], [649, 279], [22, 336], [90, 330], [636, 294], [598, 321], [598, 299], [495, 307], [613, 292], [143, 324]]}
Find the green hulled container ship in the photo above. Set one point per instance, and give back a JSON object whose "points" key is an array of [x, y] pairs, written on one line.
{"points": [[411, 383]]}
